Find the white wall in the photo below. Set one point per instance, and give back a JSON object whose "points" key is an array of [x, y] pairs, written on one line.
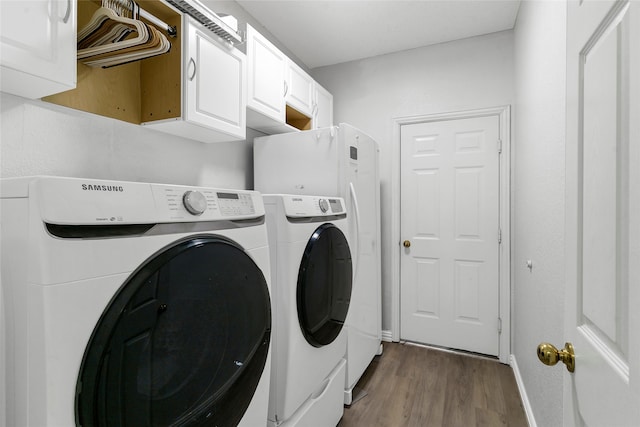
{"points": [[39, 138], [467, 74], [539, 124]]}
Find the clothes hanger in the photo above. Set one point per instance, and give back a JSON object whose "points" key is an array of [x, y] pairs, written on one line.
{"points": [[109, 31], [105, 41], [103, 16], [141, 30], [157, 45]]}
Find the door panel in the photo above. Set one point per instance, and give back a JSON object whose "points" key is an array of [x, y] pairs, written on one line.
{"points": [[215, 82], [467, 203], [603, 207], [266, 76], [299, 89], [450, 217], [38, 39]]}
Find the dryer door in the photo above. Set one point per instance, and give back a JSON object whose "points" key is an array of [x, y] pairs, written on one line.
{"points": [[324, 285], [183, 342]]}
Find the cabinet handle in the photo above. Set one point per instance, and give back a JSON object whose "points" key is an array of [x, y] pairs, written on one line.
{"points": [[68, 13], [315, 109], [191, 61], [286, 88]]}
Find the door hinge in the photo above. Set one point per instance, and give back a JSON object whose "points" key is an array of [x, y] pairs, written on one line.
{"points": [[499, 325], [499, 146], [499, 235]]}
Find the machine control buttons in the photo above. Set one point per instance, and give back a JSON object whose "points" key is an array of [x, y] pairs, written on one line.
{"points": [[324, 205], [236, 204], [194, 202]]}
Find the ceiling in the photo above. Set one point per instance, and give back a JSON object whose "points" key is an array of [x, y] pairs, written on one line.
{"points": [[323, 33]]}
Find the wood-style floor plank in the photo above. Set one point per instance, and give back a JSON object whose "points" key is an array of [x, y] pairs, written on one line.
{"points": [[415, 386]]}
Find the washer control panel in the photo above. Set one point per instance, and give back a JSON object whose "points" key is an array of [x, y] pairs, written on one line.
{"points": [[206, 203], [89, 201], [312, 206]]}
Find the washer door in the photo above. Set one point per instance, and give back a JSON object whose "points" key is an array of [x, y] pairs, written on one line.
{"points": [[183, 342], [324, 285]]}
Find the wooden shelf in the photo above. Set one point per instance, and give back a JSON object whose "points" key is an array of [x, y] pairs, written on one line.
{"points": [[298, 120], [141, 91]]}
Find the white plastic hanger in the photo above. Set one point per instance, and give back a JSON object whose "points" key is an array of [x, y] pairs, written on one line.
{"points": [[105, 41]]}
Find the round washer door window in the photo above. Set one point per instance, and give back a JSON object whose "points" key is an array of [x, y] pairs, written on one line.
{"points": [[324, 285], [183, 343]]}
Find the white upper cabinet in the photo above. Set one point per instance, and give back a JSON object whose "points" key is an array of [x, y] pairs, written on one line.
{"points": [[299, 89], [213, 85], [281, 96], [215, 82], [266, 66], [323, 108], [196, 90], [37, 46]]}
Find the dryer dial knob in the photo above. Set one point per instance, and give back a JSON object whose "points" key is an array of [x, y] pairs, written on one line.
{"points": [[324, 205], [194, 202]]}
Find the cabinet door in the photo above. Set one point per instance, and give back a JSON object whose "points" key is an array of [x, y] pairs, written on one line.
{"points": [[215, 82], [299, 89], [323, 116], [266, 78], [38, 46]]}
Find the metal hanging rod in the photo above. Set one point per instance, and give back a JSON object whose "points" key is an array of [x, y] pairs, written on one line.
{"points": [[209, 19], [171, 30], [137, 10]]}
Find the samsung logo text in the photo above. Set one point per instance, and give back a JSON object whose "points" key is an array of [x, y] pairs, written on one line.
{"points": [[91, 187]]}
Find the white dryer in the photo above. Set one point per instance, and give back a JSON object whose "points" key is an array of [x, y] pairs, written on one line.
{"points": [[337, 161], [134, 304], [312, 282]]}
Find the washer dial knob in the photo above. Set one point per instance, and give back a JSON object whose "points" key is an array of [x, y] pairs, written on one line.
{"points": [[194, 202], [324, 205]]}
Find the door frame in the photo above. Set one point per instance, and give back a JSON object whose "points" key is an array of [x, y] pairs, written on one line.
{"points": [[504, 118]]}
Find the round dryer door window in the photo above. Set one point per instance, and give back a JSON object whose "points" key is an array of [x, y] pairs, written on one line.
{"points": [[183, 342], [324, 285]]}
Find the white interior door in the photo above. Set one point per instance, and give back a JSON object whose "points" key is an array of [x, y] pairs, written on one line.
{"points": [[603, 213], [449, 267]]}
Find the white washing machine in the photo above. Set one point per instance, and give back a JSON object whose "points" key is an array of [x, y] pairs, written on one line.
{"points": [[134, 304], [312, 282]]}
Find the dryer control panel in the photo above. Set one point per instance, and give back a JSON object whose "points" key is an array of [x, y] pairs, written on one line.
{"points": [[312, 206]]}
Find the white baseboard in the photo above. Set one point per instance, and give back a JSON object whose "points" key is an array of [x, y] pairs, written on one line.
{"points": [[387, 336], [523, 393]]}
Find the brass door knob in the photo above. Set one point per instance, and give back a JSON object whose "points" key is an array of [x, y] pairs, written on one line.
{"points": [[550, 355], [406, 243]]}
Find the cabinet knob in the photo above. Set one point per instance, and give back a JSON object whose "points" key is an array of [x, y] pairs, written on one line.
{"points": [[406, 244]]}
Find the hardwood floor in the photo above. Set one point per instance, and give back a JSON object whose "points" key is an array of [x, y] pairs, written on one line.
{"points": [[416, 386]]}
